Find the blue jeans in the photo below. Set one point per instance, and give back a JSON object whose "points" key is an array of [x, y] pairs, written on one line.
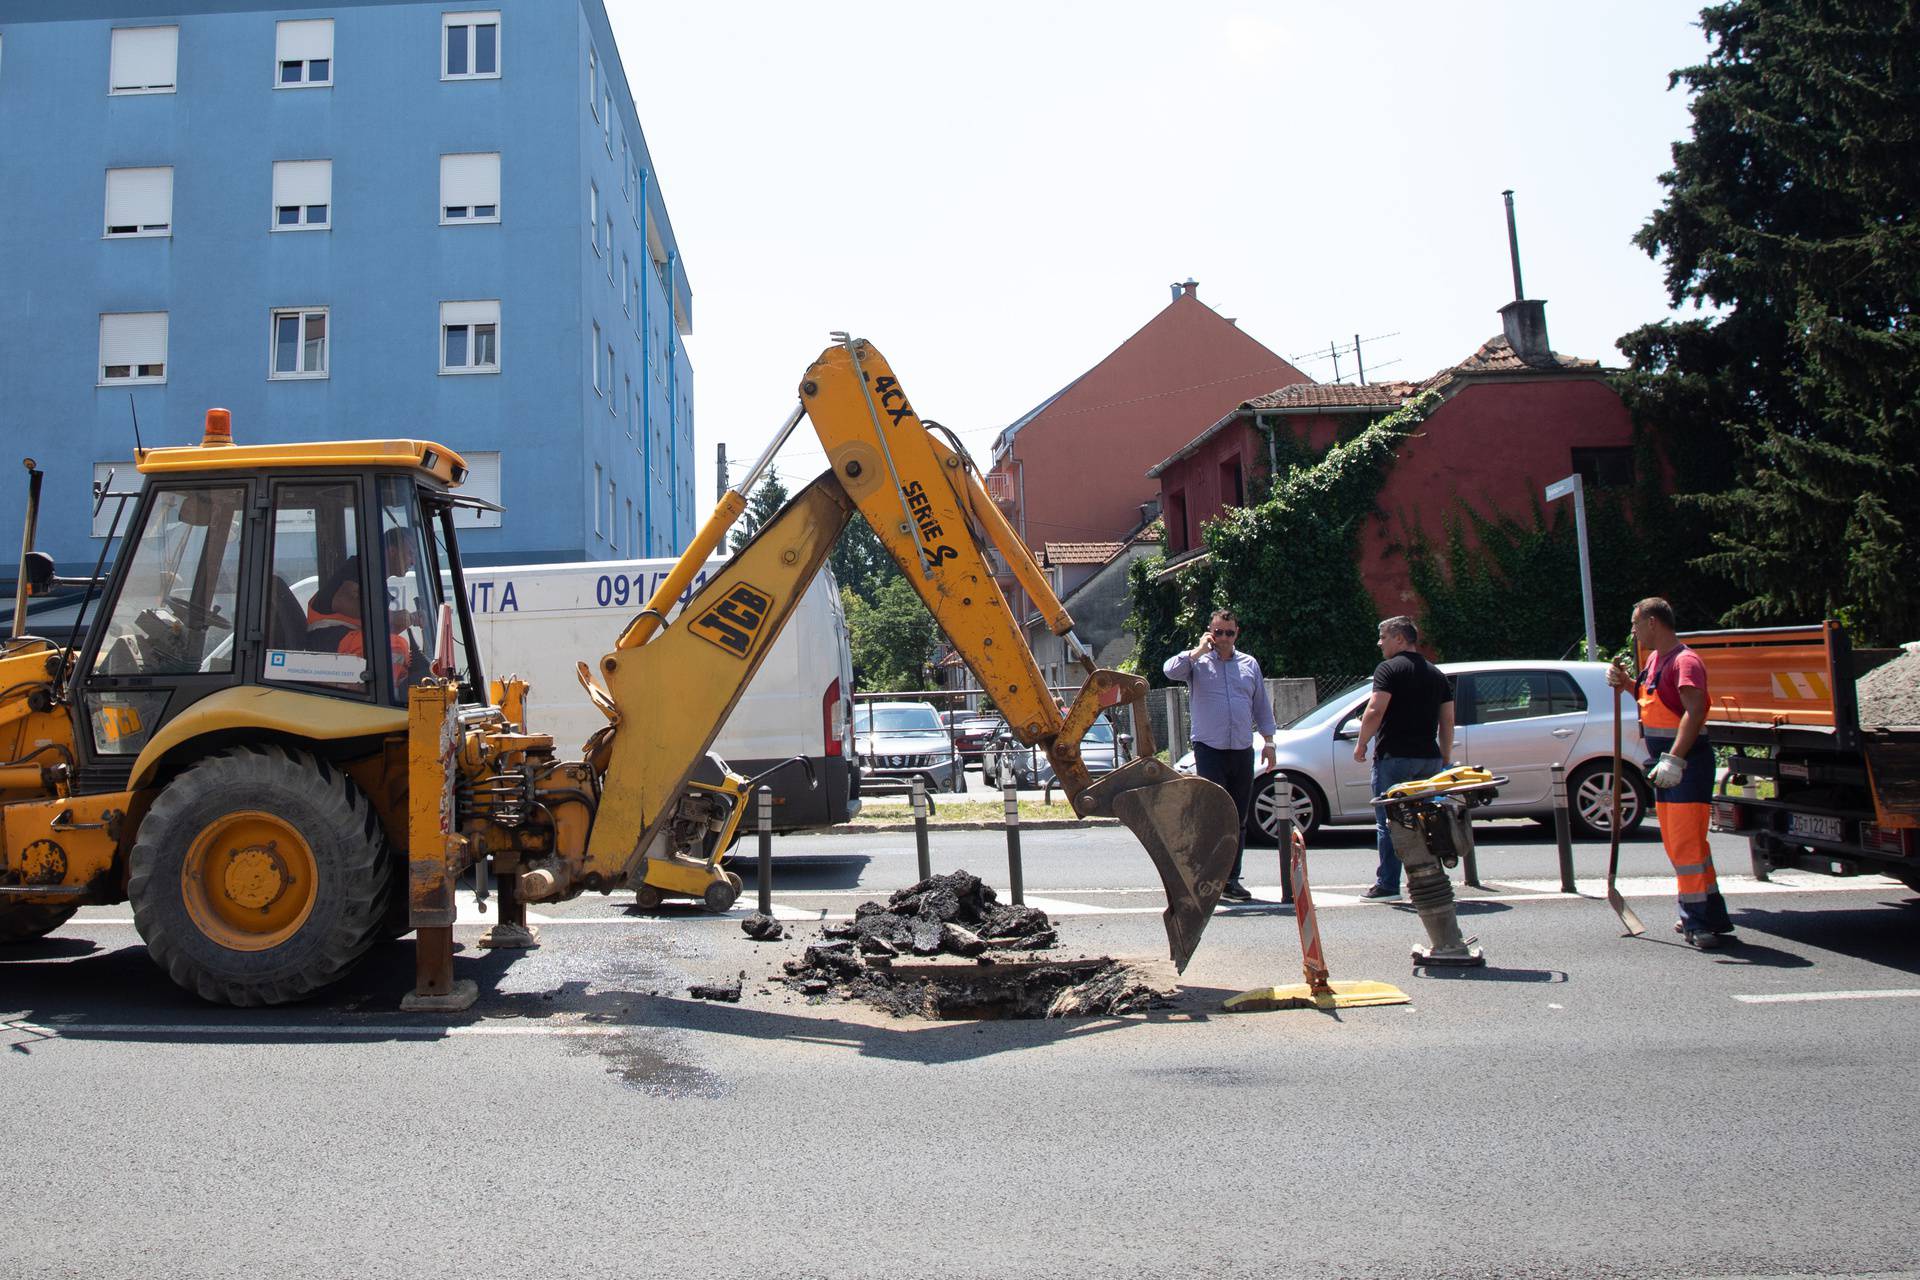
{"points": [[1391, 771]]}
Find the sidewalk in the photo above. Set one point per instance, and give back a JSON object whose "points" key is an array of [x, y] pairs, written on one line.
{"points": [[979, 808]]}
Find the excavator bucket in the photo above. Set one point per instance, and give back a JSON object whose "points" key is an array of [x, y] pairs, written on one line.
{"points": [[1190, 829]]}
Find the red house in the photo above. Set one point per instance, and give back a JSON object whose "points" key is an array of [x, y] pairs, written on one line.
{"points": [[1074, 469], [1514, 417]]}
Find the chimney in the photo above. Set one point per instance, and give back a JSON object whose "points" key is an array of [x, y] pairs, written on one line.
{"points": [[1523, 320], [1525, 324]]}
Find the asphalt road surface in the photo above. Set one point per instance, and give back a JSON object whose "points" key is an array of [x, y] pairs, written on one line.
{"points": [[1587, 1105]]}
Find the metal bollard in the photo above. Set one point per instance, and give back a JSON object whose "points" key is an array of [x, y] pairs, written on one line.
{"points": [[1284, 838], [1014, 877], [765, 873], [1471, 874], [1563, 829], [920, 827]]}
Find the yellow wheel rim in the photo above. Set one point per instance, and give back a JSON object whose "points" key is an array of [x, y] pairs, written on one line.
{"points": [[249, 881]]}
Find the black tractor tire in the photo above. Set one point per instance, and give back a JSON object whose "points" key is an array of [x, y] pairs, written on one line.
{"points": [[1584, 788], [1263, 815], [343, 874], [31, 921]]}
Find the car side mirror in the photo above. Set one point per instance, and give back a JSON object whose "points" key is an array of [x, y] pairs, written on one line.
{"points": [[1347, 733]]}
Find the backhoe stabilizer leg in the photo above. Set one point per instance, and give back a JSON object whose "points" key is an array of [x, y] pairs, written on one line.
{"points": [[1188, 826]]}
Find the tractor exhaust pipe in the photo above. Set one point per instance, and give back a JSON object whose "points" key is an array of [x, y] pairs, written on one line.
{"points": [[34, 477]]}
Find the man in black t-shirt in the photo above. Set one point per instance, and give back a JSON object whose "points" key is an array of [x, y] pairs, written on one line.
{"points": [[1412, 712]]}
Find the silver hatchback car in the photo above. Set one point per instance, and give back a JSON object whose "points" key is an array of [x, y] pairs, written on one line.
{"points": [[1517, 719]]}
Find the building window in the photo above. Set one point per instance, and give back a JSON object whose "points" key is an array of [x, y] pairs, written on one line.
{"points": [[133, 347], [302, 195], [599, 383], [1605, 468], [613, 515], [609, 246], [626, 191], [1175, 508], [483, 482], [472, 46], [606, 118], [144, 59], [593, 214], [599, 521], [470, 187], [593, 81], [303, 54], [633, 524], [470, 337], [628, 400], [140, 202], [1232, 491], [299, 343], [625, 266], [613, 405]]}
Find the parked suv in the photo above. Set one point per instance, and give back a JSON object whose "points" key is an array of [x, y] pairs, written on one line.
{"points": [[1514, 718], [1008, 760], [906, 740]]}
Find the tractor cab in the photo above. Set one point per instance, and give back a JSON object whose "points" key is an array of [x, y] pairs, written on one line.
{"points": [[328, 572]]}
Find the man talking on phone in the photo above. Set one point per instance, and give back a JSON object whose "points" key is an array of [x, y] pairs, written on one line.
{"points": [[1228, 696]]}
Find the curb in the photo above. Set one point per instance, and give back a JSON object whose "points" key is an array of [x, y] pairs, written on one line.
{"points": [[1041, 824]]}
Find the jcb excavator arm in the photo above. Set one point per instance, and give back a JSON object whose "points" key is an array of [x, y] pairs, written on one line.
{"points": [[671, 686]]}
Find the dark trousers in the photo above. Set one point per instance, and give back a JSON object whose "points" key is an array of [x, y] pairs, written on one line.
{"points": [[1234, 771]]}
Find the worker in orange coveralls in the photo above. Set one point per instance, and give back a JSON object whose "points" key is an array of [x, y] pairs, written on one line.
{"points": [[1672, 691]]}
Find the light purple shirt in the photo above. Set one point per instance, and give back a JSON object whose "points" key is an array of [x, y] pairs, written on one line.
{"points": [[1229, 699]]}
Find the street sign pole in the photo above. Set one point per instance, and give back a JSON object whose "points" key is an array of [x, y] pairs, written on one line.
{"points": [[1574, 485]]}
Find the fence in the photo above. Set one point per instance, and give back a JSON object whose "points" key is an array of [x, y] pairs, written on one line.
{"points": [[1291, 699]]}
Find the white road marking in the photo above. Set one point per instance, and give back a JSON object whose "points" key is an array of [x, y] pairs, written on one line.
{"points": [[76, 1030], [1809, 997], [1062, 907]]}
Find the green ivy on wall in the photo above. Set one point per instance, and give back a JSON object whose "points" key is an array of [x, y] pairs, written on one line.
{"points": [[1509, 587], [1289, 567]]}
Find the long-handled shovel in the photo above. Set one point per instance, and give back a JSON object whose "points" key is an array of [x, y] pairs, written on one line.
{"points": [[1628, 921]]}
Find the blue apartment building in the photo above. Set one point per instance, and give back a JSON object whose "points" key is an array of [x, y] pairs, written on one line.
{"points": [[361, 219]]}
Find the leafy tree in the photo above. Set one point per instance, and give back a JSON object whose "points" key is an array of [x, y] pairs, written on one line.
{"points": [[860, 563], [1790, 213], [892, 635], [762, 504]]}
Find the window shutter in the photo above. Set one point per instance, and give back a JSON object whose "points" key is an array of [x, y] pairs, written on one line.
{"points": [[483, 481], [139, 197], [144, 57], [133, 338], [470, 312], [303, 40], [470, 179], [302, 182]]}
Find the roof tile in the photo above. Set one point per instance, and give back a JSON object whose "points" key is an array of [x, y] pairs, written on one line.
{"points": [[1081, 552]]}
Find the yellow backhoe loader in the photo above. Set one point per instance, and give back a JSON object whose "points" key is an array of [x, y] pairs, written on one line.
{"points": [[276, 741]]}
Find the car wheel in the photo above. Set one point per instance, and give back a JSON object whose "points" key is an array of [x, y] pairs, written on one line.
{"points": [[1590, 797], [1279, 793]]}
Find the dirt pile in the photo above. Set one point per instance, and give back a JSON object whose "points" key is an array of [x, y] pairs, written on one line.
{"points": [[955, 914], [960, 915], [1889, 695]]}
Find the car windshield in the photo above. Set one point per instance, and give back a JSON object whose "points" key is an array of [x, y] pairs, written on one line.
{"points": [[1099, 731], [919, 718], [1338, 703]]}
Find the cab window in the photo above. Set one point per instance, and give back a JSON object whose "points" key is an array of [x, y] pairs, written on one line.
{"points": [[174, 614], [413, 590], [316, 608]]}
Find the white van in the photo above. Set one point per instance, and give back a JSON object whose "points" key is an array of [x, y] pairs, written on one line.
{"points": [[538, 620]]}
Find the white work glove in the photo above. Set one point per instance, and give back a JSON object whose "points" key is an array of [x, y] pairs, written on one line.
{"points": [[1667, 771]]}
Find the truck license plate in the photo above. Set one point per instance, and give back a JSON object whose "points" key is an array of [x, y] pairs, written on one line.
{"points": [[1816, 826]]}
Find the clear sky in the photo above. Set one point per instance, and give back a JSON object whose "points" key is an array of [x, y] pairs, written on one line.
{"points": [[998, 194]]}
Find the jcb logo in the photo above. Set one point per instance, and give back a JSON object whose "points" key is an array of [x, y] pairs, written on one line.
{"points": [[735, 620]]}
